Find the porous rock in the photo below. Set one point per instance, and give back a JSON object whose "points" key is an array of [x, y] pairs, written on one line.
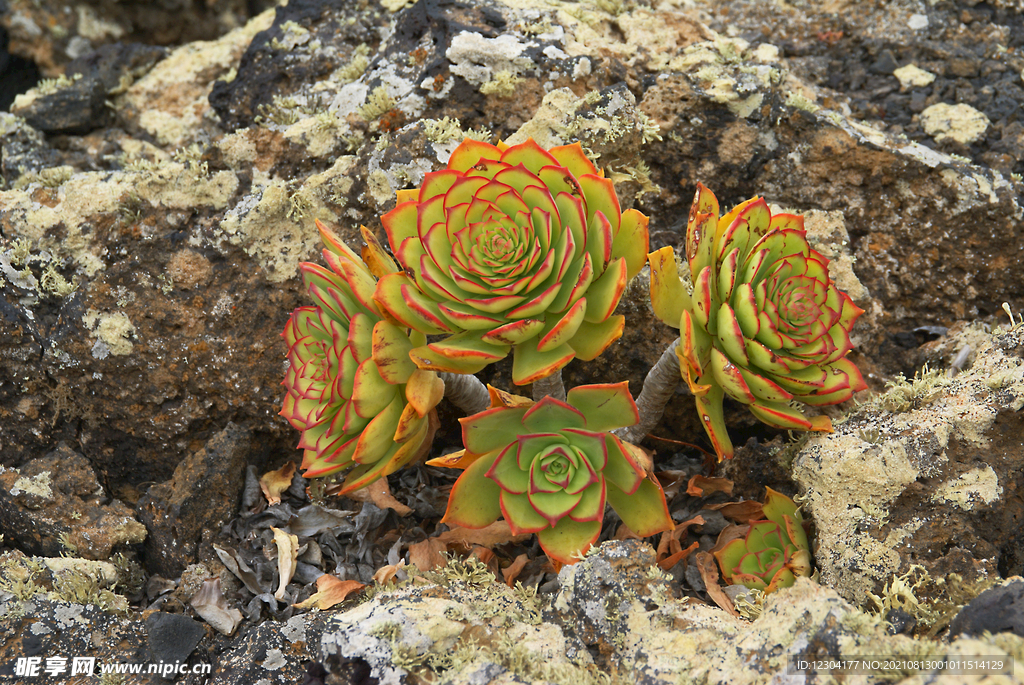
{"points": [[54, 505], [202, 495], [919, 477]]}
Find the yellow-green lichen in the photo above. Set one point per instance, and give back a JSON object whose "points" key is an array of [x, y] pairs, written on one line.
{"points": [[503, 84], [377, 103], [113, 330], [355, 67]]}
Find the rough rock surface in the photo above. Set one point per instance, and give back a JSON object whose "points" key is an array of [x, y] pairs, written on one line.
{"points": [[54, 505], [201, 496], [918, 476]]}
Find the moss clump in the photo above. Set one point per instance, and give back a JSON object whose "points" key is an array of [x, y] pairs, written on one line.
{"points": [[904, 395], [933, 602]]}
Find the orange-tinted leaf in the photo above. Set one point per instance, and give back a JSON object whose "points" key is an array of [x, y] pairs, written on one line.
{"points": [[273, 483], [741, 512], [428, 554], [709, 574], [500, 398], [385, 574], [512, 571], [455, 460], [669, 562], [330, 591], [702, 486], [379, 492]]}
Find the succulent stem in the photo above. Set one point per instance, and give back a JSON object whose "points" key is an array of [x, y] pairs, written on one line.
{"points": [[659, 387], [549, 385], [466, 392]]}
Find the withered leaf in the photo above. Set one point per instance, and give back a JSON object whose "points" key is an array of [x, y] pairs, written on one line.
{"points": [[273, 483], [209, 602], [287, 558], [709, 574], [702, 486], [330, 591]]}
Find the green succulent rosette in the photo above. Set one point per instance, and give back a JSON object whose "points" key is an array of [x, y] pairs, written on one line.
{"points": [[352, 390], [549, 468], [764, 325], [511, 248], [770, 554]]}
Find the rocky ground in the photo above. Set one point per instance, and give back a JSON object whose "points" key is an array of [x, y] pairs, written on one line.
{"points": [[158, 190]]}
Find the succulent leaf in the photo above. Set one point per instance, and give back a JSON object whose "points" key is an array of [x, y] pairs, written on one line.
{"points": [[351, 388], [525, 246], [764, 323], [550, 471], [769, 554]]}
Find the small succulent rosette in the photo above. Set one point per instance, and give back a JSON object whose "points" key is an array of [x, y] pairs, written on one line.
{"points": [[511, 247], [766, 555], [549, 468], [764, 324], [351, 388]]}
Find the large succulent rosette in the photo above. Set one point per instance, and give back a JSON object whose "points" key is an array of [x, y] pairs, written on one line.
{"points": [[351, 388], [766, 555], [549, 468], [764, 325], [511, 247]]}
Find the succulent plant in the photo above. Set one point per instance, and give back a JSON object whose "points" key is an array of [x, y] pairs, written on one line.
{"points": [[351, 388], [764, 324], [511, 247], [771, 553], [549, 468]]}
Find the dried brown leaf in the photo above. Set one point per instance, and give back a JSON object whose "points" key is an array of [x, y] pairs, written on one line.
{"points": [[498, 533], [511, 572], [669, 562], [428, 554], [209, 602], [273, 483], [379, 492], [330, 591], [670, 543], [740, 512], [702, 486], [385, 574], [709, 574]]}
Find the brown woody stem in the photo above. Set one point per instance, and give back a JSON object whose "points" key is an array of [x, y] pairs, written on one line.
{"points": [[659, 387], [466, 392], [549, 385]]}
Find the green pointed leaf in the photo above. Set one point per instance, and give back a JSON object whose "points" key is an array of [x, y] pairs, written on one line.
{"points": [[551, 416], [529, 364], [780, 415], [730, 336], [561, 330], [604, 294], [632, 242], [379, 435], [605, 406], [391, 348], [400, 224], [371, 393], [520, 514], [492, 429], [591, 504], [645, 511], [620, 471], [668, 296], [728, 377], [569, 540], [507, 474], [470, 152], [592, 339], [474, 500], [574, 159], [709, 409]]}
